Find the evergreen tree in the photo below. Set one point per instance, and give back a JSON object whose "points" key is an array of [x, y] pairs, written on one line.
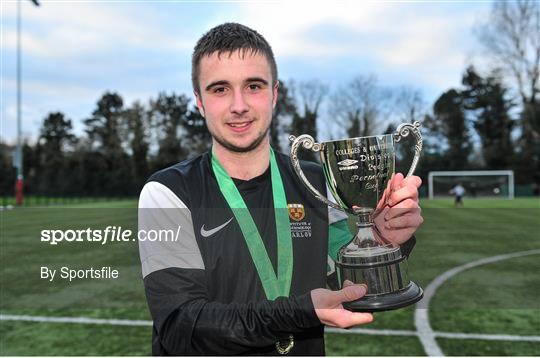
{"points": [[110, 165], [197, 137], [285, 109], [450, 121], [9, 174], [169, 114], [55, 136], [137, 122], [486, 99]]}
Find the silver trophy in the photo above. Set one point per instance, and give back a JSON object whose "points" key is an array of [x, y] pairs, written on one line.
{"points": [[358, 173]]}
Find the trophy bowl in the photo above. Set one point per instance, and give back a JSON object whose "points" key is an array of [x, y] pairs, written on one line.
{"points": [[358, 173]]}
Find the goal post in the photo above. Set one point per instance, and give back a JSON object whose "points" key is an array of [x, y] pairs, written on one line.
{"points": [[470, 177]]}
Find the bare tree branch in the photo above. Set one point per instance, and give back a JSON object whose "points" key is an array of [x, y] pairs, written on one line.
{"points": [[409, 104], [511, 36], [359, 106], [312, 94]]}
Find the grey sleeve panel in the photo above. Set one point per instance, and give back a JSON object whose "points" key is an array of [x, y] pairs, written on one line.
{"points": [[167, 220]]}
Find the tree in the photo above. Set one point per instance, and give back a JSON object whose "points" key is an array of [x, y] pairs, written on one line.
{"points": [[169, 114], [486, 99], [511, 36], [7, 179], [30, 165], [450, 122], [408, 106], [55, 136], [358, 106], [310, 95], [105, 129], [197, 138], [137, 123], [285, 109], [56, 132], [433, 156]]}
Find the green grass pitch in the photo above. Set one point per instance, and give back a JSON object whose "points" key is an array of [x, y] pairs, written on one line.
{"points": [[498, 298]]}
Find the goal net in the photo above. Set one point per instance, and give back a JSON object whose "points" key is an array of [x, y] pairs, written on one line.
{"points": [[479, 183]]}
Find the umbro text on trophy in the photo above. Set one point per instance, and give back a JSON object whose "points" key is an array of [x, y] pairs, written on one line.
{"points": [[358, 173]]}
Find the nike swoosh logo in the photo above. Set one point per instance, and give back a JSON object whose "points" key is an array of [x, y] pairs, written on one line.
{"points": [[206, 233]]}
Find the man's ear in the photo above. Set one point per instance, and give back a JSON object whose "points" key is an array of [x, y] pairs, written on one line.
{"points": [[275, 94], [200, 106]]}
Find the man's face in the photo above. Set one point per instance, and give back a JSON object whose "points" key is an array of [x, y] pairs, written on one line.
{"points": [[236, 98]]}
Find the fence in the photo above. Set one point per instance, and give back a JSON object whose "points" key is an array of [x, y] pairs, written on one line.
{"points": [[37, 200]]}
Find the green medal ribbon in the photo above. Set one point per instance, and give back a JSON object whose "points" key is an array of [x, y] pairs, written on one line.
{"points": [[274, 285]]}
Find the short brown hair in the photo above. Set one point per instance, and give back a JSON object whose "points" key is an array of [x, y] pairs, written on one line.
{"points": [[228, 38]]}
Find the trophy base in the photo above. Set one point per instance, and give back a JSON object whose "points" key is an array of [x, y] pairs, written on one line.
{"points": [[386, 302]]}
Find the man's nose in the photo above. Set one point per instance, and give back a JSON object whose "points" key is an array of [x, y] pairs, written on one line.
{"points": [[239, 105]]}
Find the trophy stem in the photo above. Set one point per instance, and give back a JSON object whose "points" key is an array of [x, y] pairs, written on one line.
{"points": [[364, 218], [366, 234]]}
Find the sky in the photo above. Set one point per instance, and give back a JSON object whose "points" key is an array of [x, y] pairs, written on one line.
{"points": [[74, 51]]}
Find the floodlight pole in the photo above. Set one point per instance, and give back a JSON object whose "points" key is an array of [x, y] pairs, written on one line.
{"points": [[18, 155], [19, 184]]}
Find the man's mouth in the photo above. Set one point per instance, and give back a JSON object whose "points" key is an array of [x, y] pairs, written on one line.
{"points": [[240, 126]]}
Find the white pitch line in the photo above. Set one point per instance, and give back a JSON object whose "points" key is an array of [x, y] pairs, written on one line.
{"points": [[81, 320], [366, 331], [451, 335], [488, 337], [421, 316]]}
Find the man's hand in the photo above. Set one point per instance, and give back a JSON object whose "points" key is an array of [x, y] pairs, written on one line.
{"points": [[401, 216], [329, 308]]}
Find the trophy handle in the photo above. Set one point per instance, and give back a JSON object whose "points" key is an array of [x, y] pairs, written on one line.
{"points": [[403, 130], [307, 142]]}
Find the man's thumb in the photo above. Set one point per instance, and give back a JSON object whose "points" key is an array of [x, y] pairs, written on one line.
{"points": [[351, 293]]}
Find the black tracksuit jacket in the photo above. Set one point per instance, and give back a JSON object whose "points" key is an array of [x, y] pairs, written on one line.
{"points": [[204, 292]]}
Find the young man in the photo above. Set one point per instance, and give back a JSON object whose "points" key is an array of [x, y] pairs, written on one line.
{"points": [[247, 275]]}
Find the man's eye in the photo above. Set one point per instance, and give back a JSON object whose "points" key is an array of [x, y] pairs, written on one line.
{"points": [[219, 90], [254, 87]]}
